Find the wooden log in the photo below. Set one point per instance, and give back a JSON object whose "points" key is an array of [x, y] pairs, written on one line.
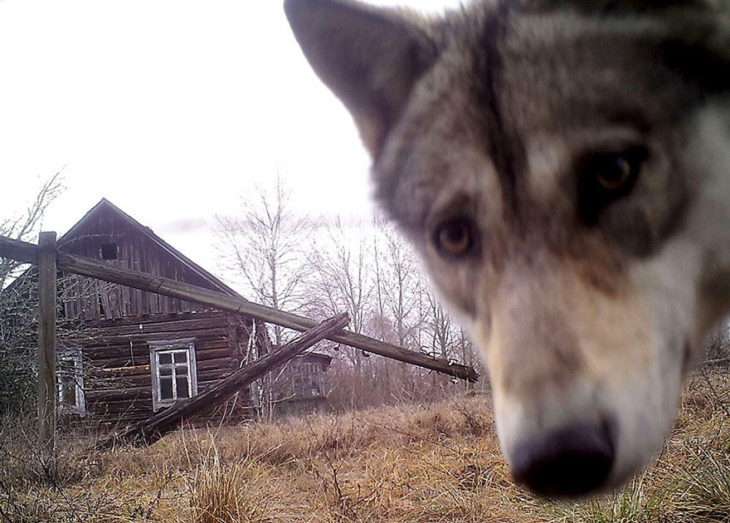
{"points": [[47, 343], [213, 317], [122, 373], [139, 374], [17, 250], [120, 392], [110, 340], [152, 429], [118, 363], [164, 324], [177, 289], [120, 407], [106, 367]]}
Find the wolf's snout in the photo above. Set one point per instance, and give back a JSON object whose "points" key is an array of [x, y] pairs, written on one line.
{"points": [[571, 461]]}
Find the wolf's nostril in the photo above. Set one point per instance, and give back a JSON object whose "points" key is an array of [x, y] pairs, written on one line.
{"points": [[572, 461]]}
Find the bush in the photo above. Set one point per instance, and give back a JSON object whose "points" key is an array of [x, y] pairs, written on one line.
{"points": [[18, 383]]}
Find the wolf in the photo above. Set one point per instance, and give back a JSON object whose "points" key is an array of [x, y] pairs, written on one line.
{"points": [[562, 168]]}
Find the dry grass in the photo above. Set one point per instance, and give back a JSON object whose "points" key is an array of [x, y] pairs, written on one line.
{"points": [[420, 463]]}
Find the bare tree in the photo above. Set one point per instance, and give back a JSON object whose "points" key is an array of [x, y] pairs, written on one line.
{"points": [[341, 277], [400, 284], [264, 248], [342, 281], [441, 329], [26, 224]]}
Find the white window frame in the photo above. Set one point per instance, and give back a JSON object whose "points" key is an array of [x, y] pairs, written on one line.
{"points": [[74, 356], [186, 345]]}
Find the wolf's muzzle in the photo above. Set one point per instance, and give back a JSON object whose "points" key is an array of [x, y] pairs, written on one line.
{"points": [[572, 461]]}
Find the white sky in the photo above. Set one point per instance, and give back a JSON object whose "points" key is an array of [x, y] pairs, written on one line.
{"points": [[171, 109]]}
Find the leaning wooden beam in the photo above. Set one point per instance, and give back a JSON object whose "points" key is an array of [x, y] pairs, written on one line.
{"points": [[176, 289], [17, 250], [185, 291], [150, 430]]}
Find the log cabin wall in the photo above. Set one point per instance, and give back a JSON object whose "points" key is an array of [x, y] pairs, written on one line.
{"points": [[118, 378]]}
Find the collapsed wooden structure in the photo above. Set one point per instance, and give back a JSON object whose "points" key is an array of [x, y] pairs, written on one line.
{"points": [[222, 333]]}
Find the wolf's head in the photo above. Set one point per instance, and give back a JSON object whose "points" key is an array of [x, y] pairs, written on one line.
{"points": [[562, 167]]}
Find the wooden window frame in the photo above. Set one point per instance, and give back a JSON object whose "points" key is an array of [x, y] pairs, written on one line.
{"points": [[172, 346], [79, 406]]}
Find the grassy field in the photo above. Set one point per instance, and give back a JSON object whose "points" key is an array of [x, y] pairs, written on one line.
{"points": [[437, 462]]}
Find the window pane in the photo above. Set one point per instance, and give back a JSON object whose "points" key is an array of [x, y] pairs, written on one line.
{"points": [[68, 391], [166, 389], [182, 387], [165, 357], [165, 371], [181, 357], [181, 370]]}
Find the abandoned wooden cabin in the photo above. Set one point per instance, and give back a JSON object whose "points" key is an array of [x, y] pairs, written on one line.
{"points": [[140, 352]]}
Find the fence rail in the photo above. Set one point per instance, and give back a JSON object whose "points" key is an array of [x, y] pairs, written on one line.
{"points": [[28, 252]]}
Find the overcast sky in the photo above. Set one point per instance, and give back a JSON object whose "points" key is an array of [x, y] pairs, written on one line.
{"points": [[171, 109]]}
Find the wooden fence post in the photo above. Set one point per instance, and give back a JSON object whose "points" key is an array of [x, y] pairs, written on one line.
{"points": [[47, 344]]}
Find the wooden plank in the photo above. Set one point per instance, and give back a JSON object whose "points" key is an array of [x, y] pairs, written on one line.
{"points": [[47, 343], [158, 425], [239, 305]]}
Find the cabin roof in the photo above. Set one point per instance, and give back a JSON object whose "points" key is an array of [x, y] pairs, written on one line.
{"points": [[105, 206]]}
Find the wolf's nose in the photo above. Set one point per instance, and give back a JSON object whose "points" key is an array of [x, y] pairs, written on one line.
{"points": [[572, 461]]}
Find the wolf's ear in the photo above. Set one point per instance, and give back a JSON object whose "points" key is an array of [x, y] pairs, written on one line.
{"points": [[370, 58]]}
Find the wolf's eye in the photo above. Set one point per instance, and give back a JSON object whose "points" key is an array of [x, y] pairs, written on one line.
{"points": [[455, 237], [605, 177], [613, 172]]}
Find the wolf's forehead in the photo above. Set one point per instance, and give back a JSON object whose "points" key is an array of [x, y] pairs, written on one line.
{"points": [[502, 86], [565, 71]]}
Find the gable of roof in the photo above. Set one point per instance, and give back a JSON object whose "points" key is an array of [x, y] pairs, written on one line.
{"points": [[109, 209]]}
